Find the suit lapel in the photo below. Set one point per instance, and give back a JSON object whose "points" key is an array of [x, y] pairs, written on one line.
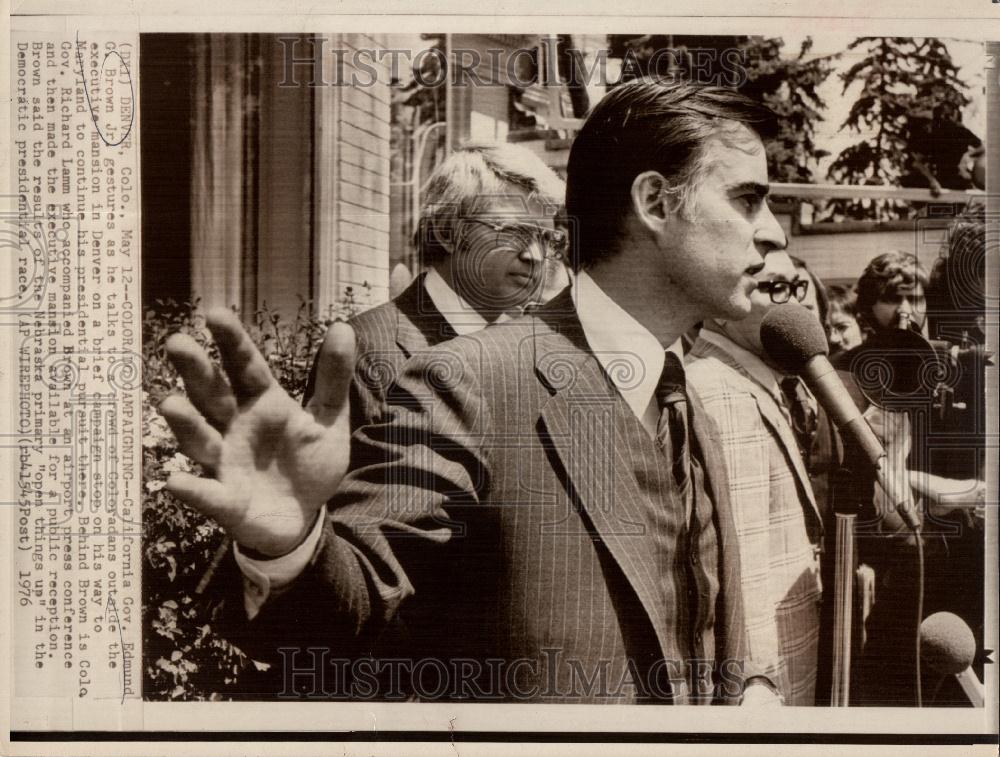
{"points": [[707, 438], [419, 324], [772, 415], [588, 424]]}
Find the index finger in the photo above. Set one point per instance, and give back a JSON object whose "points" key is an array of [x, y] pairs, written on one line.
{"points": [[248, 372]]}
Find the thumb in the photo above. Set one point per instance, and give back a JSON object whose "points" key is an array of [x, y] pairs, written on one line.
{"points": [[334, 371]]}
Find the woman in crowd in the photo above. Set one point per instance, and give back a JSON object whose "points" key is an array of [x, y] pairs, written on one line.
{"points": [[892, 294], [843, 331]]}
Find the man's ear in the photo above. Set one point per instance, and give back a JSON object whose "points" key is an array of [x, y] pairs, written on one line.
{"points": [[440, 228], [651, 207]]}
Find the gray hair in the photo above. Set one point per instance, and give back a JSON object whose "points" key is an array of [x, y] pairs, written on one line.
{"points": [[470, 176]]}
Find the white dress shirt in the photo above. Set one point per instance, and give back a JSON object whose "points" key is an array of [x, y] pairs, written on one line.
{"points": [[460, 315], [631, 356]]}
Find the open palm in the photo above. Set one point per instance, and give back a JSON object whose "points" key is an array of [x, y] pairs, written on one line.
{"points": [[273, 464]]}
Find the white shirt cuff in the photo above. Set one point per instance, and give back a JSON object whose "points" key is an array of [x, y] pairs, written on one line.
{"points": [[263, 579]]}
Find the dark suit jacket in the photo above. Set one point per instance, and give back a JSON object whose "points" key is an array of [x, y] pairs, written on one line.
{"points": [[388, 336], [500, 505]]}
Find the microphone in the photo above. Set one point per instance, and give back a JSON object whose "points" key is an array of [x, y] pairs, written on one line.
{"points": [[793, 338], [948, 646]]}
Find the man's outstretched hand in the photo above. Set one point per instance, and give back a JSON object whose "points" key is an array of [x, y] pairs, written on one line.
{"points": [[273, 464]]}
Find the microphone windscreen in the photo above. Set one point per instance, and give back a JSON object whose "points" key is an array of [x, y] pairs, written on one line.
{"points": [[791, 335], [947, 643]]}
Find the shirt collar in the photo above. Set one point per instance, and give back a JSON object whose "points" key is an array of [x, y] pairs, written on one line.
{"points": [[460, 315], [629, 354], [758, 370]]}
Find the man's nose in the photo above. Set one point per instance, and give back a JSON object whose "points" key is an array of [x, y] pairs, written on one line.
{"points": [[769, 233]]}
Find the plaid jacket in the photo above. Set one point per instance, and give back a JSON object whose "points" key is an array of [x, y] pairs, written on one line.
{"points": [[777, 522]]}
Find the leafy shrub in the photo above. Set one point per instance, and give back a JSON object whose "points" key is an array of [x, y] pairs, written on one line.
{"points": [[184, 658]]}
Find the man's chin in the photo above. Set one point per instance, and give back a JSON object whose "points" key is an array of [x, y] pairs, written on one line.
{"points": [[738, 309], [527, 291]]}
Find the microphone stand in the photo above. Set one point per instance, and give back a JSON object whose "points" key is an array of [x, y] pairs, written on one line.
{"points": [[845, 561], [911, 351]]}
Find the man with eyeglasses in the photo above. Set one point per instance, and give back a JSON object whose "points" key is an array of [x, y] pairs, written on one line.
{"points": [[766, 421], [542, 500], [489, 239]]}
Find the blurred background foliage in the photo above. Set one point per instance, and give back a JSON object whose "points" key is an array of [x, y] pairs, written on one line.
{"points": [[184, 657]]}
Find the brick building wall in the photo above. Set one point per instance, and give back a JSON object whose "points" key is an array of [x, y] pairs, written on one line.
{"points": [[363, 177]]}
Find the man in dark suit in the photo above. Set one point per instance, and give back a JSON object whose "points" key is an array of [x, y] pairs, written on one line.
{"points": [[475, 275], [543, 499], [457, 294]]}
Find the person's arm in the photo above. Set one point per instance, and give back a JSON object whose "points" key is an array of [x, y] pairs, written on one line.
{"points": [[941, 495], [925, 169], [390, 527], [273, 465], [945, 495], [264, 579]]}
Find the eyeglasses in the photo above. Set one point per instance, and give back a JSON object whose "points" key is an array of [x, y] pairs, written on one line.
{"points": [[554, 242], [781, 291]]}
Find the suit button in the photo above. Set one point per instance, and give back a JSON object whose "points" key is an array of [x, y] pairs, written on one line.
{"points": [[698, 638], [694, 558]]}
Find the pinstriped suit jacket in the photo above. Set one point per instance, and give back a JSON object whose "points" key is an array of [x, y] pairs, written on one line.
{"points": [[499, 506]]}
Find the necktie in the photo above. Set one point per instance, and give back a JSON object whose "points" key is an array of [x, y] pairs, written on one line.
{"points": [[802, 414], [672, 428]]}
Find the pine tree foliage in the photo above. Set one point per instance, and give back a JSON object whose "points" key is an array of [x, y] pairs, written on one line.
{"points": [[899, 78], [758, 67]]}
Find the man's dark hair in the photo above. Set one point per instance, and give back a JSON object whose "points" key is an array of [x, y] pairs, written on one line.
{"points": [[645, 125]]}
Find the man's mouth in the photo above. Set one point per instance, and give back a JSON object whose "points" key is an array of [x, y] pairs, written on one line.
{"points": [[755, 269]]}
